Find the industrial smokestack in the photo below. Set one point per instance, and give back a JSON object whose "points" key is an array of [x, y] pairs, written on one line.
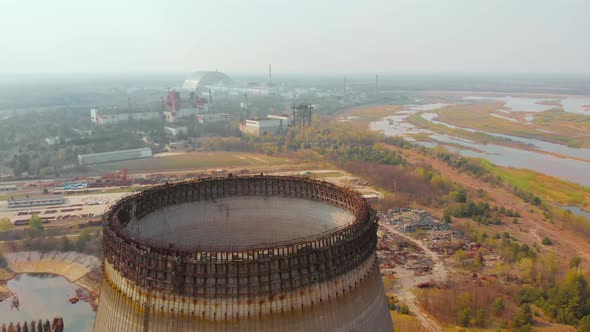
{"points": [[270, 73]]}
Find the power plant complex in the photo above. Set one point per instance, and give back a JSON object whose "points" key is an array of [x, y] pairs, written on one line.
{"points": [[255, 253]]}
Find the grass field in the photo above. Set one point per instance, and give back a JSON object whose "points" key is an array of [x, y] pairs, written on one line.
{"points": [[193, 160], [566, 128], [547, 187], [574, 123], [482, 138], [406, 322]]}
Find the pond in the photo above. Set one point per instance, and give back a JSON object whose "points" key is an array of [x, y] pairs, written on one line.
{"points": [[44, 296]]}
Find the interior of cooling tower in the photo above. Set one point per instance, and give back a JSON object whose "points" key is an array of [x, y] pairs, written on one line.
{"points": [[242, 220], [223, 253]]}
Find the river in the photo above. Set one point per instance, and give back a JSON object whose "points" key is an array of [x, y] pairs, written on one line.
{"points": [[576, 210], [570, 169], [579, 105]]}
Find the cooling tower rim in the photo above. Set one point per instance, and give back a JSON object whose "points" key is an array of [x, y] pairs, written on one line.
{"points": [[364, 216]]}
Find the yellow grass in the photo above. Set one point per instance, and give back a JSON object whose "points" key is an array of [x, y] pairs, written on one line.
{"points": [[194, 160], [404, 323], [567, 128], [545, 186]]}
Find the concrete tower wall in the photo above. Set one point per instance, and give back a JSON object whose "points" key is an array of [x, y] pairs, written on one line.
{"points": [[253, 280]]}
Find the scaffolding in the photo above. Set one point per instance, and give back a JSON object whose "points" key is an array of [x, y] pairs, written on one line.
{"points": [[238, 271]]}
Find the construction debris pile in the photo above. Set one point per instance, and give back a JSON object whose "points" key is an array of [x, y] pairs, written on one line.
{"points": [[447, 243], [393, 250], [410, 220]]}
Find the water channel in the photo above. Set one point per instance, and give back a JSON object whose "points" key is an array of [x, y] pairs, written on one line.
{"points": [[44, 296], [570, 169]]}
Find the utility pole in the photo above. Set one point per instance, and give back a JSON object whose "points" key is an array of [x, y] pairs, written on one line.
{"points": [[376, 83], [270, 73], [246, 106]]}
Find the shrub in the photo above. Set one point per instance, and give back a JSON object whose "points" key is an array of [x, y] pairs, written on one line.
{"points": [[499, 305], [36, 224], [480, 318], [465, 317], [5, 225], [584, 324], [405, 310], [524, 316]]}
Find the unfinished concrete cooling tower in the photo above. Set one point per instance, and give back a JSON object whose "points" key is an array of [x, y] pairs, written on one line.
{"points": [[261, 253]]}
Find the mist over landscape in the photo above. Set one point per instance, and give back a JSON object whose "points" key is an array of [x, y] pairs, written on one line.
{"points": [[295, 166]]}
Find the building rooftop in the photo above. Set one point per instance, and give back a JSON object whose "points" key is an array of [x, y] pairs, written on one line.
{"points": [[113, 152], [262, 119], [201, 79], [35, 198]]}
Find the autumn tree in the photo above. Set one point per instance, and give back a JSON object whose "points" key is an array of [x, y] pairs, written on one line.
{"points": [[5, 224], [524, 316], [36, 223]]}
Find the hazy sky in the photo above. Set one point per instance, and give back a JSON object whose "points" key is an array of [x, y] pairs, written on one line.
{"points": [[540, 36]]}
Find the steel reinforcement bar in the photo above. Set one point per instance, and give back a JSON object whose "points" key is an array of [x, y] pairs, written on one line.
{"points": [[239, 271]]}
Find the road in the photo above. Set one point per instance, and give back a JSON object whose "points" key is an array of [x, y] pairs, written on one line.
{"points": [[407, 281]]}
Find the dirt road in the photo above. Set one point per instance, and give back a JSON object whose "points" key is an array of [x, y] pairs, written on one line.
{"points": [[407, 281]]}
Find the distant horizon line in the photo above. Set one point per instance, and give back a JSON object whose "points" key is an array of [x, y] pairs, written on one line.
{"points": [[306, 73]]}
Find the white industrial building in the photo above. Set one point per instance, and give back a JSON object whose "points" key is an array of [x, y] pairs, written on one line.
{"points": [[213, 118], [250, 90], [175, 131], [100, 118], [53, 140], [184, 113], [220, 82], [35, 201], [83, 132], [10, 187], [112, 156], [285, 119], [263, 126], [205, 79]]}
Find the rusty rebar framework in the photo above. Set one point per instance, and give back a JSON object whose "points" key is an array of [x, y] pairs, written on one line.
{"points": [[301, 114], [238, 271]]}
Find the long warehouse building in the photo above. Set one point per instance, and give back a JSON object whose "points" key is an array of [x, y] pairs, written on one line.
{"points": [[35, 201], [112, 156]]}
